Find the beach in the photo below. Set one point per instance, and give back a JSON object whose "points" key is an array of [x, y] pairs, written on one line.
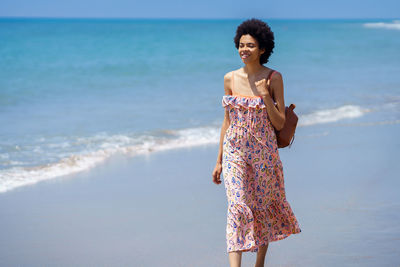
{"points": [[162, 209], [108, 140]]}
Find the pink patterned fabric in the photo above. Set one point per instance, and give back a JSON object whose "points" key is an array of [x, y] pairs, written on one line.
{"points": [[258, 211]]}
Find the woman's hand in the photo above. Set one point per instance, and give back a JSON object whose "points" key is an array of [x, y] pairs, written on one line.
{"points": [[217, 173], [262, 87]]}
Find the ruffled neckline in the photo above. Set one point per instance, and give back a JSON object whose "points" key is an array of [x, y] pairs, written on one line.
{"points": [[243, 101]]}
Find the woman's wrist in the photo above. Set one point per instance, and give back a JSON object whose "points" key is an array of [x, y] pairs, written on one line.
{"points": [[266, 96]]}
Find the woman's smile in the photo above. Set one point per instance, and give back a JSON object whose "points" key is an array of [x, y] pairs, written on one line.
{"points": [[245, 55]]}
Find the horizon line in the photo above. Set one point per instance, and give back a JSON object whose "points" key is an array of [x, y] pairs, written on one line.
{"points": [[193, 18]]}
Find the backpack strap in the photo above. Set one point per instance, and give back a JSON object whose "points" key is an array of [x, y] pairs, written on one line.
{"points": [[269, 81]]}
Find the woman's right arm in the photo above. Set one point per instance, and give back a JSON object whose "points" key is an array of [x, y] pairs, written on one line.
{"points": [[225, 124]]}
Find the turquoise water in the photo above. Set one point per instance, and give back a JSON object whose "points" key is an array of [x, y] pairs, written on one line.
{"points": [[74, 92]]}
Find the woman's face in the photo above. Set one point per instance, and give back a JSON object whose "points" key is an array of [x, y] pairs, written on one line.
{"points": [[249, 50]]}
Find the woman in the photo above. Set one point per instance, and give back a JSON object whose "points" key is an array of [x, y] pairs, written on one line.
{"points": [[248, 157]]}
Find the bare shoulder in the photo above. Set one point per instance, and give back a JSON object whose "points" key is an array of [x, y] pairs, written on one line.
{"points": [[276, 78], [276, 84], [228, 80], [227, 83], [228, 77]]}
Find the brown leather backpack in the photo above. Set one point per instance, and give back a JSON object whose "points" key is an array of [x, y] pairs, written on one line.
{"points": [[285, 136]]}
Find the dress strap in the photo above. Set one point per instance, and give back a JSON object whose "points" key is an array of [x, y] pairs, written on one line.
{"points": [[269, 76], [269, 80]]}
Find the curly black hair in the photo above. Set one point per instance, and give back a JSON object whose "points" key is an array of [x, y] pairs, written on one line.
{"points": [[260, 31]]}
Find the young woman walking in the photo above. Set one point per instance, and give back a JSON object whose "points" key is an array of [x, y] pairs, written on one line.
{"points": [[248, 157]]}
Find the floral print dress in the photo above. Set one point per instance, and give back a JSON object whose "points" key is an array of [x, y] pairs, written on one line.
{"points": [[258, 211]]}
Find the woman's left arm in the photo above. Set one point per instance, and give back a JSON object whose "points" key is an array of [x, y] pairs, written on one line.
{"points": [[276, 112]]}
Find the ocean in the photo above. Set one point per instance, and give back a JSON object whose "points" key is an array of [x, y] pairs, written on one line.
{"points": [[75, 92]]}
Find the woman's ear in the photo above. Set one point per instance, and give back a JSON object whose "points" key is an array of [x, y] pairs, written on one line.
{"points": [[262, 51]]}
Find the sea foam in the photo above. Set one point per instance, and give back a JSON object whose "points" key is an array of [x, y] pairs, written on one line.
{"points": [[394, 25], [108, 145]]}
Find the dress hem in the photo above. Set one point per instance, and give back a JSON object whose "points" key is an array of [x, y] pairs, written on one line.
{"points": [[277, 238]]}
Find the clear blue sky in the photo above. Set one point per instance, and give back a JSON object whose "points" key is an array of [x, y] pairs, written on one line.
{"points": [[201, 8]]}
